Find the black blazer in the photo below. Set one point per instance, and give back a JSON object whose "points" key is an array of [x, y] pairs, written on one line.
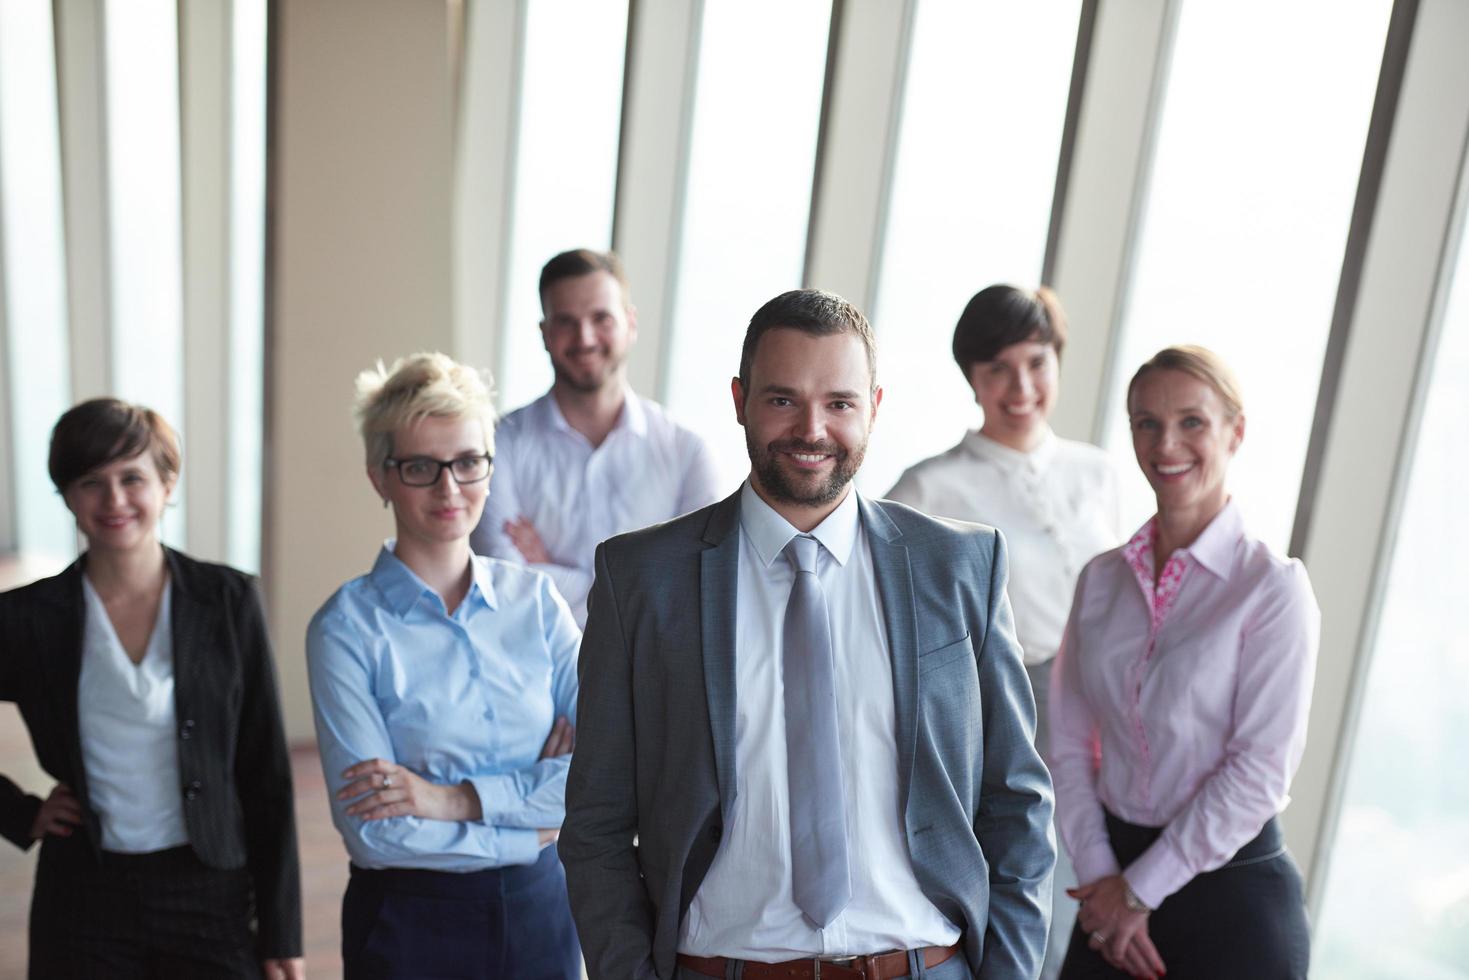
{"points": [[234, 766]]}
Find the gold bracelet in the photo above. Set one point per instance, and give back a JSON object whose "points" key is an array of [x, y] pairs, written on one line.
{"points": [[1134, 904]]}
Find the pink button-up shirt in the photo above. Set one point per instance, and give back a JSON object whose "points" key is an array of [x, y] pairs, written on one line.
{"points": [[1181, 704]]}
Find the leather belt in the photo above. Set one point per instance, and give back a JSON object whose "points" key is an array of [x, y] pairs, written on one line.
{"points": [[877, 966]]}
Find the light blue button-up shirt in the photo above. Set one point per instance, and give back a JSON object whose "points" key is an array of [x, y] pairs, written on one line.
{"points": [[463, 696]]}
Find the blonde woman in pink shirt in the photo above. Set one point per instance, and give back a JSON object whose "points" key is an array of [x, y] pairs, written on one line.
{"points": [[1178, 716]]}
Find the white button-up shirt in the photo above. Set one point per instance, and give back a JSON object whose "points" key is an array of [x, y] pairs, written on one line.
{"points": [[744, 908], [649, 469], [125, 713], [1057, 506]]}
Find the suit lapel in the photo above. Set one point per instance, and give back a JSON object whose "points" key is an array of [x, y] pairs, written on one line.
{"points": [[894, 576], [718, 584], [191, 623]]}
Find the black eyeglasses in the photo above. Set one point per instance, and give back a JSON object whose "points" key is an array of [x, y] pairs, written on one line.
{"points": [[424, 471]]}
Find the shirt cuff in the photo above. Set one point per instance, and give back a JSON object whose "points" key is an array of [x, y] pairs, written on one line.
{"points": [[519, 846], [1157, 873], [498, 795], [1094, 864]]}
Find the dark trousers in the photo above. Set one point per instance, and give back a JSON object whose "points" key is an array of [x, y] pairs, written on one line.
{"points": [[157, 916], [433, 925], [1246, 919]]}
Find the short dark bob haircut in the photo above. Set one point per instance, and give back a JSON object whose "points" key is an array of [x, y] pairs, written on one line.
{"points": [[811, 311], [998, 316], [103, 430]]}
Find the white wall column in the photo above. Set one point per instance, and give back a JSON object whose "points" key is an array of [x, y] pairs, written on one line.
{"points": [[484, 174], [80, 80], [658, 101], [864, 105], [1127, 68], [205, 113]]}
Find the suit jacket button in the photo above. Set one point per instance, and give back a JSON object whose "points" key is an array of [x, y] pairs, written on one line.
{"points": [[186, 731], [192, 791]]}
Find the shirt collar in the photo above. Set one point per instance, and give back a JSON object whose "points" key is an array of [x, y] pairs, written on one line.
{"points": [[401, 588], [480, 583], [633, 417], [769, 533], [1214, 547], [1013, 459], [1138, 547]]}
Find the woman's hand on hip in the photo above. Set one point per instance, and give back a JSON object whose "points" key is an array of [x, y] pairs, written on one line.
{"points": [[60, 814], [382, 789], [288, 969], [1113, 929]]}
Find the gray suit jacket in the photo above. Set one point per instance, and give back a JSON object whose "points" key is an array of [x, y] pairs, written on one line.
{"points": [[652, 780]]}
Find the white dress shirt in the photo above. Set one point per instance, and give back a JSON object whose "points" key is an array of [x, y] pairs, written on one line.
{"points": [[1057, 506], [649, 469], [744, 908], [125, 714]]}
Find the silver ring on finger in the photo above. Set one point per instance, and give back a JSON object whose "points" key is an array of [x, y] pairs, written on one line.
{"points": [[387, 781], [1100, 937]]}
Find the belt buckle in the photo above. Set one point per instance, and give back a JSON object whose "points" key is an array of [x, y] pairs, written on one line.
{"points": [[845, 962]]}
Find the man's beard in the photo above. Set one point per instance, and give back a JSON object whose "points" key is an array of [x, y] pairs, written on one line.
{"points": [[586, 381], [776, 482]]}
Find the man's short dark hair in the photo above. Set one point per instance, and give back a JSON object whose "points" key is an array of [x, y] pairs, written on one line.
{"points": [[811, 311], [998, 316], [581, 262]]}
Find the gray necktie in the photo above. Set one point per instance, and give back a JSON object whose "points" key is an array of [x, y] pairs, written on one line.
{"points": [[821, 882]]}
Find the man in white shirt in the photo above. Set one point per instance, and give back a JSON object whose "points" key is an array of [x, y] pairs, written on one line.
{"points": [[805, 743], [590, 458]]}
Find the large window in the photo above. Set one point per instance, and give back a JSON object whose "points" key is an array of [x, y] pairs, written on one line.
{"points": [[566, 165], [982, 114], [34, 270], [748, 200], [145, 219], [1260, 143], [247, 284], [131, 227], [1397, 894]]}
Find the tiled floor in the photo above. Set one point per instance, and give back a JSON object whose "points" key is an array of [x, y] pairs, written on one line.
{"points": [[323, 860]]}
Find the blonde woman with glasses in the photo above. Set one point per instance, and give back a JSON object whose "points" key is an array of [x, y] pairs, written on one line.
{"points": [[444, 686]]}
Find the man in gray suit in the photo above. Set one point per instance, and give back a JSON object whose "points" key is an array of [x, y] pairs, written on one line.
{"points": [[805, 744]]}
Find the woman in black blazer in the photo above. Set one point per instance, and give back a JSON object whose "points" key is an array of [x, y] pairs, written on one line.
{"points": [[147, 683]]}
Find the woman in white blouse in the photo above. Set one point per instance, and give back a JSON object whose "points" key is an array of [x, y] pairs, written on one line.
{"points": [[1179, 711], [146, 680], [1055, 500]]}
